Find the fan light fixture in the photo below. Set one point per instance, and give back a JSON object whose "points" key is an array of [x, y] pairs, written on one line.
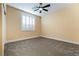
{"points": [[40, 9]]}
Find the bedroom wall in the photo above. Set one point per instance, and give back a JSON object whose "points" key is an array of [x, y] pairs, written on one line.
{"points": [[0, 30], [14, 31], [62, 24]]}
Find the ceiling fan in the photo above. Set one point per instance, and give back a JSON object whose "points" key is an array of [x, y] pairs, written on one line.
{"points": [[41, 7]]}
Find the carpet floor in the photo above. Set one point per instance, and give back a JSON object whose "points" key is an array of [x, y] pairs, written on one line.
{"points": [[41, 46]]}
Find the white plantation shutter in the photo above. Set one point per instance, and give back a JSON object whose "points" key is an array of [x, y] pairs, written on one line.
{"points": [[28, 23]]}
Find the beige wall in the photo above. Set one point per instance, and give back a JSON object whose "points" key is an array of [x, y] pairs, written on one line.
{"points": [[63, 24], [14, 25], [0, 30]]}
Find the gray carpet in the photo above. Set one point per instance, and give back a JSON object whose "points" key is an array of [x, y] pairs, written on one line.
{"points": [[41, 47]]}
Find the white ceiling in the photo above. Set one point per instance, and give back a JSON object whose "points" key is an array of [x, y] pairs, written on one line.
{"points": [[28, 7]]}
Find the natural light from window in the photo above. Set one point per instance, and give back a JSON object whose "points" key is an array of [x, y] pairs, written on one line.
{"points": [[28, 23]]}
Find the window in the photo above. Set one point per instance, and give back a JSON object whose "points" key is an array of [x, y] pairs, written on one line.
{"points": [[28, 23]]}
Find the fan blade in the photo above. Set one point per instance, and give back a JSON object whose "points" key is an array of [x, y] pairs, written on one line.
{"points": [[40, 11], [36, 9], [45, 9], [40, 5], [46, 6]]}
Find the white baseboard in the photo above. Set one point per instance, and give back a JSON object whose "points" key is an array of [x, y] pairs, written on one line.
{"points": [[21, 39], [64, 40], [55, 38]]}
